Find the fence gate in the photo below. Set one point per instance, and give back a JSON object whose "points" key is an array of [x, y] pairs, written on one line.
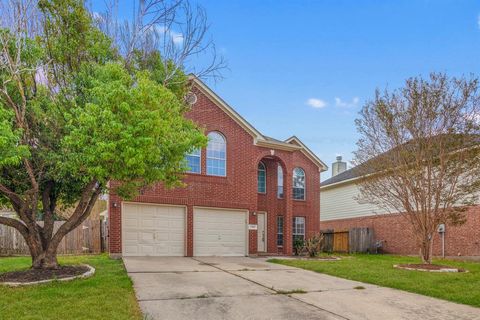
{"points": [[340, 241]]}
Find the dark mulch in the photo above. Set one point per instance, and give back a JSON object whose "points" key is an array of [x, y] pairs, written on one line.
{"points": [[32, 275], [428, 267]]}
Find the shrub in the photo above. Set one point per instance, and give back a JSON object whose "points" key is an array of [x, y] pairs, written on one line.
{"points": [[314, 244], [298, 245]]}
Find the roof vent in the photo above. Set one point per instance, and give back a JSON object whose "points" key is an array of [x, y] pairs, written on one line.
{"points": [[191, 98], [339, 166]]}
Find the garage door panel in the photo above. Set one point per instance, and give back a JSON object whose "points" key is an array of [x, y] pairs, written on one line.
{"points": [[130, 223], [148, 250], [149, 210], [130, 236], [219, 232], [152, 230], [176, 224], [147, 223], [147, 237], [176, 237], [130, 250]]}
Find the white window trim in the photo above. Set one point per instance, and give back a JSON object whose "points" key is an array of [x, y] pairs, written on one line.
{"points": [[214, 158], [304, 227], [264, 170], [304, 187]]}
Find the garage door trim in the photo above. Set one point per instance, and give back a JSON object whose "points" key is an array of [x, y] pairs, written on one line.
{"points": [[185, 217]]}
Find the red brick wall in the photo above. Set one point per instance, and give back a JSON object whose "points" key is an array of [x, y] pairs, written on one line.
{"points": [[238, 190], [461, 240]]}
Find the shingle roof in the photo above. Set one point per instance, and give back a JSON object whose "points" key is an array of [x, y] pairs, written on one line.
{"points": [[345, 175], [364, 169], [273, 139]]}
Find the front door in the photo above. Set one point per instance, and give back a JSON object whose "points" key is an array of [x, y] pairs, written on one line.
{"points": [[261, 232]]}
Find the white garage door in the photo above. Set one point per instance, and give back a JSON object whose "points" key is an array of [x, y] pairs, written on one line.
{"points": [[219, 232], [153, 230]]}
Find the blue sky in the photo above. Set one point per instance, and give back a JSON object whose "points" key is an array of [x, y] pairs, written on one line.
{"points": [[283, 53]]}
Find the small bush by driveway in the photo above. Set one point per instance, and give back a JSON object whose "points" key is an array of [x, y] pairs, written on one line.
{"points": [[379, 270], [106, 295]]}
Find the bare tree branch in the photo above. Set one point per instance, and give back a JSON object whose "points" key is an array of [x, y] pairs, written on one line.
{"points": [[419, 152], [175, 28]]}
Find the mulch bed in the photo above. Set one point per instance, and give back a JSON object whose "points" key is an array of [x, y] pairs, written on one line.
{"points": [[429, 267], [33, 275]]}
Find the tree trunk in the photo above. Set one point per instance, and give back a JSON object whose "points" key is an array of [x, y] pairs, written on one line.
{"points": [[45, 260], [41, 241], [42, 258], [426, 249]]}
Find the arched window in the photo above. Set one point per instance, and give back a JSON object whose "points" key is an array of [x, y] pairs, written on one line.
{"points": [[261, 178], [279, 182], [298, 184], [216, 155]]}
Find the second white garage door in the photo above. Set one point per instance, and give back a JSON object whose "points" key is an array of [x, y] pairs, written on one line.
{"points": [[153, 230], [219, 232]]}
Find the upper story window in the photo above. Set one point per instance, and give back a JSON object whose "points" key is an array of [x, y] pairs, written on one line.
{"points": [[194, 160], [261, 178], [216, 155], [298, 184], [279, 182]]}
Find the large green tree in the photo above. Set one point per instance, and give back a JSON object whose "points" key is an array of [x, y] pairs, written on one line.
{"points": [[75, 115]]}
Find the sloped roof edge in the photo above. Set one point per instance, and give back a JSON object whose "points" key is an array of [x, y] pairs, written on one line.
{"points": [[227, 109], [309, 153], [259, 139]]}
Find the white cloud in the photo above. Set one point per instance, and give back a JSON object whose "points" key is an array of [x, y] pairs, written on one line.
{"points": [[316, 103], [175, 37], [347, 104]]}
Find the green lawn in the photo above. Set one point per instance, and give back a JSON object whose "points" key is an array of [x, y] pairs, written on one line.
{"points": [[107, 295], [378, 269]]}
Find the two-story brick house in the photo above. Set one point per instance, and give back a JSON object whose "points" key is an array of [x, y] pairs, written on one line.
{"points": [[245, 193]]}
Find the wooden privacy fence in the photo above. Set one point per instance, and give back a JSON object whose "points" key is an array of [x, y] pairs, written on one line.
{"points": [[327, 243], [361, 240], [352, 241], [340, 241], [87, 238]]}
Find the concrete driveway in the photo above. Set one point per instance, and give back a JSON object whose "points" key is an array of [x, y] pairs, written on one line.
{"points": [[249, 288]]}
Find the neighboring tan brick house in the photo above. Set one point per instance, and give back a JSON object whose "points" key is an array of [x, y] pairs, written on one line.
{"points": [[247, 193], [342, 211]]}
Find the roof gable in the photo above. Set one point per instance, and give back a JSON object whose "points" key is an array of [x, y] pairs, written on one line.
{"points": [[226, 108], [309, 153], [291, 144]]}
